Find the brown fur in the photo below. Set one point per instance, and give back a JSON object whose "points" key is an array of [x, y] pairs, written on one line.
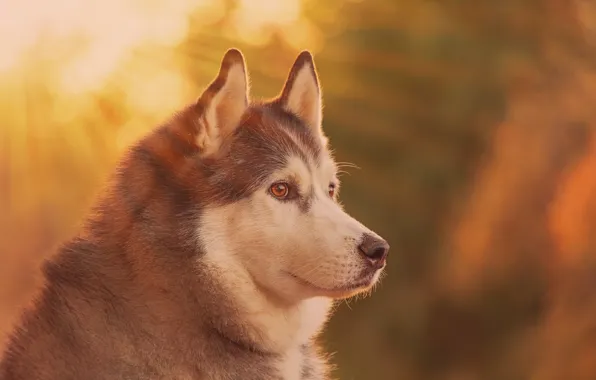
{"points": [[128, 297]]}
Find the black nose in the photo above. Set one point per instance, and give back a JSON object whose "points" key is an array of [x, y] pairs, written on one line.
{"points": [[374, 249]]}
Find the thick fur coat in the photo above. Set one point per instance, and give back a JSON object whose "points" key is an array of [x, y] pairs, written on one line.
{"points": [[214, 253]]}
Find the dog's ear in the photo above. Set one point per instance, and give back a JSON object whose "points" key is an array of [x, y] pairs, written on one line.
{"points": [[301, 94], [223, 103]]}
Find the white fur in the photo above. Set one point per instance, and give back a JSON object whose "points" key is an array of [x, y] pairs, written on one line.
{"points": [[279, 325], [254, 244]]}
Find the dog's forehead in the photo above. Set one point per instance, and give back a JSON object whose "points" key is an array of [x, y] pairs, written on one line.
{"points": [[310, 172], [269, 131]]}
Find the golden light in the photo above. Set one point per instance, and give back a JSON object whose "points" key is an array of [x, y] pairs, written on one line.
{"points": [[74, 73], [82, 79], [255, 21], [95, 37], [74, 48]]}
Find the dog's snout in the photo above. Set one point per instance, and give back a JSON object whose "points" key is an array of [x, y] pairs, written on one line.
{"points": [[374, 249]]}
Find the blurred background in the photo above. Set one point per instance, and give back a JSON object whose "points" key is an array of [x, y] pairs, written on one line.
{"points": [[473, 123]]}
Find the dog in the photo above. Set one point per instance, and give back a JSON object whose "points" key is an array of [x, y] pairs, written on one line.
{"points": [[215, 252]]}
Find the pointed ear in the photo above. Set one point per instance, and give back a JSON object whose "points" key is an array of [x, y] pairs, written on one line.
{"points": [[301, 94], [223, 103]]}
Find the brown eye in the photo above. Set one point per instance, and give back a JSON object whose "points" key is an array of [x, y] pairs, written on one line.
{"points": [[331, 190], [279, 190]]}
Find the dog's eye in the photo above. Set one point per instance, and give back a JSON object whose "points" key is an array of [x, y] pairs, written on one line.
{"points": [[331, 190], [280, 190]]}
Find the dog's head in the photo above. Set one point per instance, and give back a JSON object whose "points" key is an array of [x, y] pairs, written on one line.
{"points": [[257, 185], [269, 193]]}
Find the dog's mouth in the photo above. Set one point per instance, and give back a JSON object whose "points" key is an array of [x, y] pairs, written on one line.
{"points": [[362, 283]]}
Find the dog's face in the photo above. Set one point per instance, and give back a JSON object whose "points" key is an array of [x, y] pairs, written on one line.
{"points": [[274, 186]]}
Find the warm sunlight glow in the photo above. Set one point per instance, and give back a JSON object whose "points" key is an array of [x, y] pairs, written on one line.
{"points": [[82, 73], [471, 151], [80, 80], [91, 38], [255, 21]]}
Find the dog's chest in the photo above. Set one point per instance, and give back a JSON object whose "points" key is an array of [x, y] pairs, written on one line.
{"points": [[290, 364], [301, 364]]}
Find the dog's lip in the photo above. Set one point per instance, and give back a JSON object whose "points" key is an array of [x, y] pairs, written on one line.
{"points": [[362, 283]]}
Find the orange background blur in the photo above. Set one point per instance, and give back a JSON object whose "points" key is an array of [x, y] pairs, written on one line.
{"points": [[473, 123]]}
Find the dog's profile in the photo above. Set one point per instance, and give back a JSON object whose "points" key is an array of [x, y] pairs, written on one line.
{"points": [[215, 252]]}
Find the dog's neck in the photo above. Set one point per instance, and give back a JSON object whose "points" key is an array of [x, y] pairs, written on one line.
{"points": [[263, 322]]}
